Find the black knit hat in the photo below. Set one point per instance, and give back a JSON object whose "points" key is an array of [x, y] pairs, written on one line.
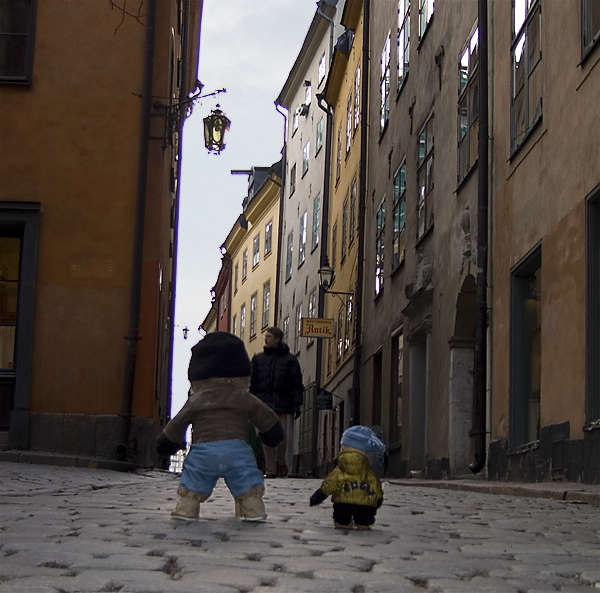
{"points": [[219, 354]]}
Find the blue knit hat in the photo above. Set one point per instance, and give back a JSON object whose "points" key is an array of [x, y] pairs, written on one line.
{"points": [[362, 438]]}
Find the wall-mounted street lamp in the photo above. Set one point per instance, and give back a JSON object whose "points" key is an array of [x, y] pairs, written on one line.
{"points": [[215, 126], [326, 278]]}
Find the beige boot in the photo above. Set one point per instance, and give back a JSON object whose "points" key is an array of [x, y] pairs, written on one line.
{"points": [[188, 504], [250, 505]]}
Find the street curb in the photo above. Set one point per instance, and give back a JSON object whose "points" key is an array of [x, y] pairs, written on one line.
{"points": [[571, 494], [44, 458]]}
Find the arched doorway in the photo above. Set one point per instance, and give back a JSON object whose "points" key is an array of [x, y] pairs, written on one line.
{"points": [[462, 358]]}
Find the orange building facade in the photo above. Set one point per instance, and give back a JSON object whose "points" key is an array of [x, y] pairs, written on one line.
{"points": [[88, 221]]}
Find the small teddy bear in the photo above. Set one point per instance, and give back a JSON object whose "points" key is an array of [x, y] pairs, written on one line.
{"points": [[353, 486]]}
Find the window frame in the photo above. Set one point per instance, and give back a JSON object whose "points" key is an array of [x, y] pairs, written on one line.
{"points": [[255, 251], [244, 264], [302, 235], [356, 99], [292, 179], [425, 16], [25, 78], [425, 163], [379, 247], [242, 320], [345, 212], [403, 43], [253, 302], [266, 310], [268, 238], [305, 157], [589, 41], [289, 255], [468, 107], [316, 221], [352, 215], [521, 37], [319, 136], [399, 224], [385, 62]]}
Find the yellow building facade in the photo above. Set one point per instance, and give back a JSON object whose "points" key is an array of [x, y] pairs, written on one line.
{"points": [[343, 93], [252, 246]]}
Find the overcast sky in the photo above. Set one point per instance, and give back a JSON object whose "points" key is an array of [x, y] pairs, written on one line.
{"points": [[248, 48]]}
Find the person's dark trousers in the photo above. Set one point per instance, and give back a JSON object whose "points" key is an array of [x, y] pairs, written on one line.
{"points": [[343, 513]]}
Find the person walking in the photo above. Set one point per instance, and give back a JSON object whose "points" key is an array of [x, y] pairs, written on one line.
{"points": [[276, 379]]}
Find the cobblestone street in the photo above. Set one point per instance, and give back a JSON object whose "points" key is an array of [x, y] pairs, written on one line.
{"points": [[90, 530]]}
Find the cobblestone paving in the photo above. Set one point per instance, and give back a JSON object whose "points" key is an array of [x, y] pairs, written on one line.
{"points": [[88, 530]]}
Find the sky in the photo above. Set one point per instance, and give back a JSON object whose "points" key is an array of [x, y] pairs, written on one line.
{"points": [[247, 48]]}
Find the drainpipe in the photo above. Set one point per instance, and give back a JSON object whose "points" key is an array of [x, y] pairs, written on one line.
{"points": [[478, 431], [281, 204], [138, 237], [331, 25], [181, 91], [362, 193], [322, 102]]}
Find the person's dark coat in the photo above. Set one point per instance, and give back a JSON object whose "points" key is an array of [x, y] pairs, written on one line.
{"points": [[277, 379]]}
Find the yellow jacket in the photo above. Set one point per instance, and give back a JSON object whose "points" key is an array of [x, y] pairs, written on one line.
{"points": [[352, 481]]}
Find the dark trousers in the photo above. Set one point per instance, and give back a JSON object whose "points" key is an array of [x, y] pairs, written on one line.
{"points": [[344, 513]]}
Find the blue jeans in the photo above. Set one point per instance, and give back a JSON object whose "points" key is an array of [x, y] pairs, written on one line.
{"points": [[232, 459]]}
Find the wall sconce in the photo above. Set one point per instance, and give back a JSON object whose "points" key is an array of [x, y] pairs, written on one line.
{"points": [[185, 332], [326, 278], [215, 126]]}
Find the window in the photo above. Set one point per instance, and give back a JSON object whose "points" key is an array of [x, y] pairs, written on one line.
{"points": [[244, 264], [590, 24], [307, 93], [255, 251], [379, 246], [10, 250], [293, 179], [425, 179], [319, 143], [253, 315], [316, 220], [302, 238], [340, 333], [305, 157], [235, 278], [235, 325], [399, 216], [242, 321], [349, 312], [349, 123], [338, 158], [333, 245], [322, 68], [286, 330], [289, 255], [525, 350], [268, 237], [344, 227], [266, 303], [295, 120], [298, 327], [352, 221], [468, 105], [426, 8], [357, 98], [17, 28], [384, 84], [526, 58], [403, 40]]}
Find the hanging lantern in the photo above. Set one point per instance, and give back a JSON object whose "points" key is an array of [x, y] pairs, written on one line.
{"points": [[215, 126]]}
